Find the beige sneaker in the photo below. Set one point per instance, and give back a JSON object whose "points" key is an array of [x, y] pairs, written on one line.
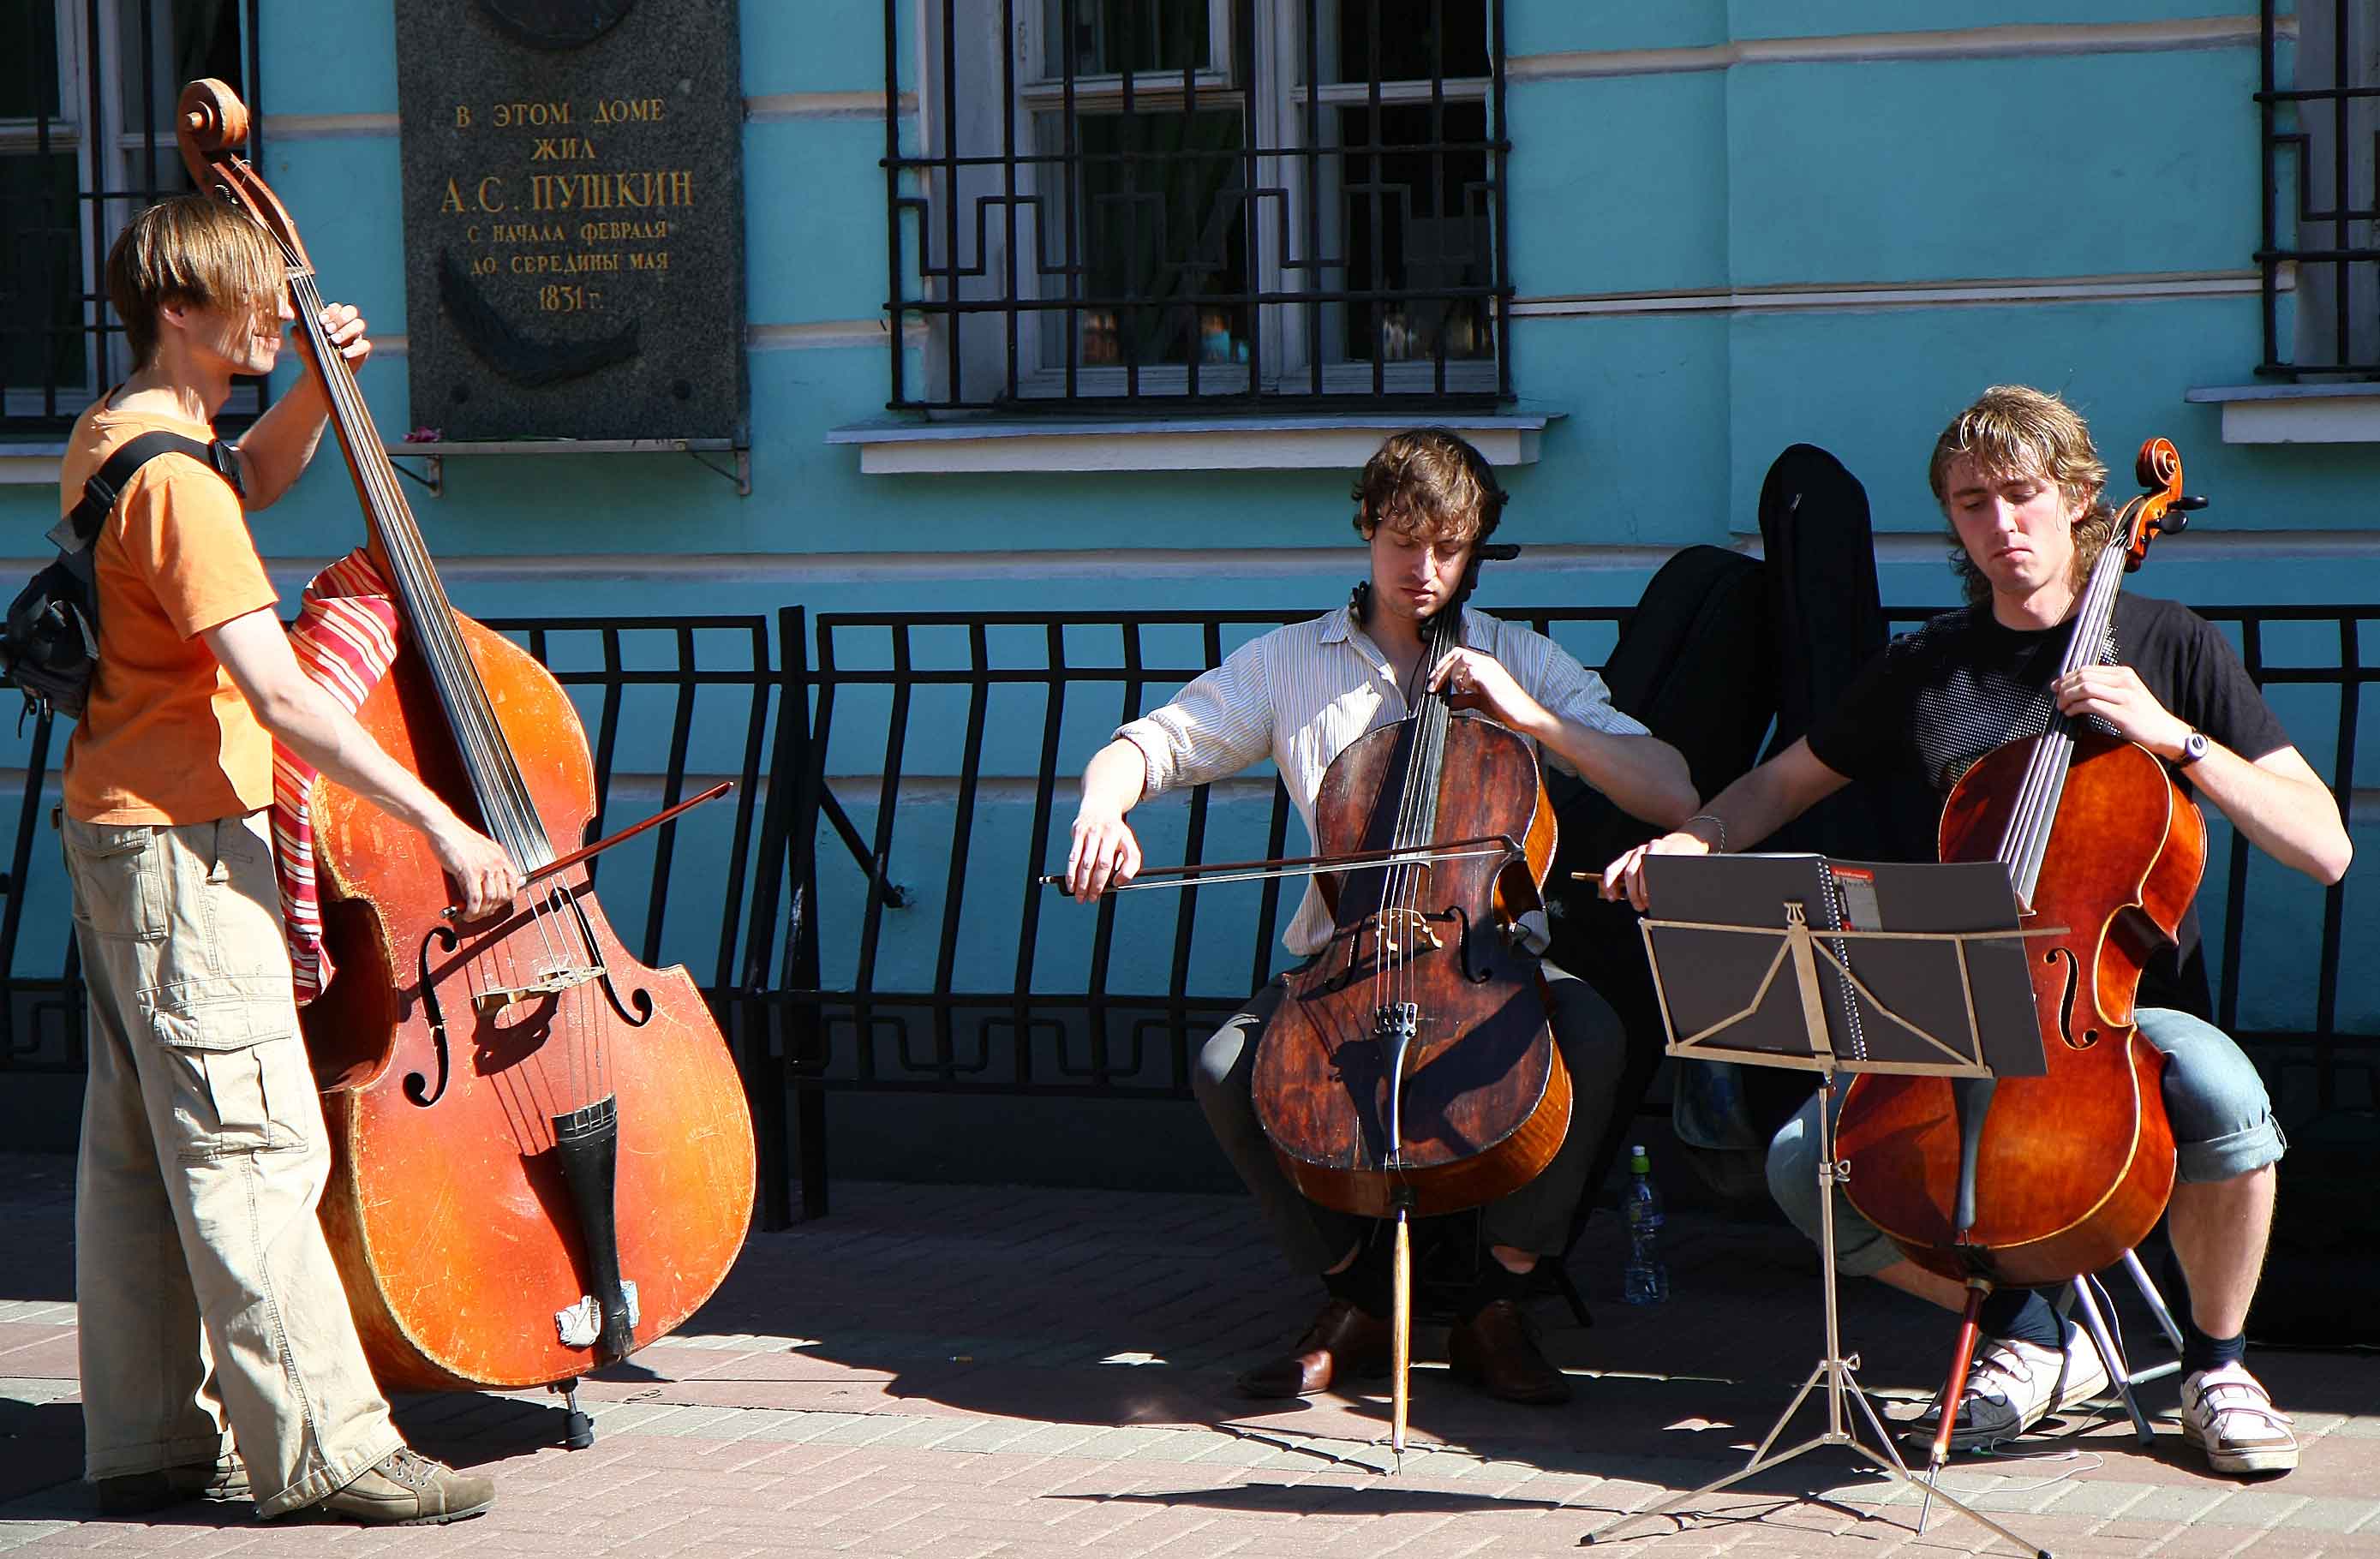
{"points": [[406, 1488], [2012, 1386], [2227, 1413], [137, 1493]]}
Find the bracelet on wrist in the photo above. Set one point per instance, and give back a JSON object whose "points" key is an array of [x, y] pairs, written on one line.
{"points": [[1717, 822]]}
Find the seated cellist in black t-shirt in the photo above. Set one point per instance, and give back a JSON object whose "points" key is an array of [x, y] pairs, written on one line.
{"points": [[2019, 482]]}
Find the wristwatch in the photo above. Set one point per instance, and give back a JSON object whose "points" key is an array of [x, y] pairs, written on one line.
{"points": [[2194, 747]]}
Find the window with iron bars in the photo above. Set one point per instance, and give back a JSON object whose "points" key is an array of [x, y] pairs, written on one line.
{"points": [[1200, 203], [87, 95], [2320, 104]]}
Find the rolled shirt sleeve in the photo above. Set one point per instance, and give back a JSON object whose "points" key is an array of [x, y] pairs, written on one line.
{"points": [[1554, 678], [1220, 723]]}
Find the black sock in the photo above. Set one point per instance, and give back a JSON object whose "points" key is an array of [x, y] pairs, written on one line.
{"points": [[2200, 1351], [1494, 1281], [1365, 1282], [2021, 1315]]}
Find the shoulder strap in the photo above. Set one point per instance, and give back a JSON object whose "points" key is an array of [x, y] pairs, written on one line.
{"points": [[80, 525]]}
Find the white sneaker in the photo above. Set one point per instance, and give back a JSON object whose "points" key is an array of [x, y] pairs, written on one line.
{"points": [[2013, 1385], [2227, 1413]]}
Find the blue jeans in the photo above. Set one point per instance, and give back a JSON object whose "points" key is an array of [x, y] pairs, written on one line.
{"points": [[2223, 1128]]}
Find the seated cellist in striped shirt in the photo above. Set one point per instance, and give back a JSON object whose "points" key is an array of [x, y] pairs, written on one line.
{"points": [[1300, 696]]}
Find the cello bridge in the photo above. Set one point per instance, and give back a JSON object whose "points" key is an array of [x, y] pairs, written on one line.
{"points": [[1401, 932], [553, 981]]}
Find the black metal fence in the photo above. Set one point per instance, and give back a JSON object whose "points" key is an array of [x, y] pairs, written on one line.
{"points": [[87, 96], [669, 704], [1221, 202], [2320, 109], [919, 956], [888, 937]]}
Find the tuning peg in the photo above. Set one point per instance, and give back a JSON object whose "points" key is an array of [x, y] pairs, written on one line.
{"points": [[2173, 522], [2190, 504]]}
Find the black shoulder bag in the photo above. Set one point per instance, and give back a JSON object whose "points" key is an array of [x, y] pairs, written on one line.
{"points": [[49, 645]]}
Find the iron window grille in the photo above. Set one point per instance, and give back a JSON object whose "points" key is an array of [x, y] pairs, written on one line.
{"points": [[1208, 202], [87, 95], [2322, 189]]}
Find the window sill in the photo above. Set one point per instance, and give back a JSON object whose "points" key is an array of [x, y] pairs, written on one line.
{"points": [[900, 446], [2295, 414], [30, 463]]}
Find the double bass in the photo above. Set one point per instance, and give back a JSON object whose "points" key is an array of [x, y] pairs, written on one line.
{"points": [[2034, 1180], [541, 1155]]}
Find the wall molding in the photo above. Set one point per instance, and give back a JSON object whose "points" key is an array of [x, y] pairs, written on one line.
{"points": [[327, 126], [813, 335], [1877, 297], [1328, 564], [773, 107], [2012, 41], [766, 108]]}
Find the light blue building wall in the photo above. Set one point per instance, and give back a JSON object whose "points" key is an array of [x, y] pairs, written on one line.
{"points": [[1734, 226]]}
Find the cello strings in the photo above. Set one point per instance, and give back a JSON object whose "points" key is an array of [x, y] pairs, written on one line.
{"points": [[2026, 844]]}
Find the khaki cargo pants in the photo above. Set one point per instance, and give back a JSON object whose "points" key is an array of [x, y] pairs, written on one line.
{"points": [[208, 1298]]}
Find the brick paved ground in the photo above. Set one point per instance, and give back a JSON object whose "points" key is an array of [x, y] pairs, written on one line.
{"points": [[963, 1370]]}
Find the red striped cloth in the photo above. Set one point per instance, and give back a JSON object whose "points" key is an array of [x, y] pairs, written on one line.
{"points": [[345, 636]]}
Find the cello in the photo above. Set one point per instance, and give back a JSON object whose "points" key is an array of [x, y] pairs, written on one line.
{"points": [[1409, 1069], [2033, 1180], [541, 1155]]}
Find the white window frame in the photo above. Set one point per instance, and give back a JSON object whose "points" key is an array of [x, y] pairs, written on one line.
{"points": [[1278, 122], [111, 160]]}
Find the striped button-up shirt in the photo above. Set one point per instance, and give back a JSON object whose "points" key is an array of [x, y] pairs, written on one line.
{"points": [[1302, 694]]}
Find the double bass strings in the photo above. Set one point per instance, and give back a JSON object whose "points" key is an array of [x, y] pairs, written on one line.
{"points": [[497, 784]]}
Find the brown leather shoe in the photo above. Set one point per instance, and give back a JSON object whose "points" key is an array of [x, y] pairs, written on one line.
{"points": [[1344, 1340], [1497, 1351]]}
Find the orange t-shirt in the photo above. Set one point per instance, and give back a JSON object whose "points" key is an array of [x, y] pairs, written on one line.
{"points": [[167, 737]]}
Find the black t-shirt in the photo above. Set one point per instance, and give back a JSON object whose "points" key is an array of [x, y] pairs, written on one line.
{"points": [[1938, 699]]}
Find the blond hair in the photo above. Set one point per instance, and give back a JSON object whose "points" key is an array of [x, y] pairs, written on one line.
{"points": [[193, 251], [2014, 430], [1431, 483]]}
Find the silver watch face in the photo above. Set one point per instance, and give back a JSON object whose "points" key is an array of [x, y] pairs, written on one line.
{"points": [[2194, 747]]}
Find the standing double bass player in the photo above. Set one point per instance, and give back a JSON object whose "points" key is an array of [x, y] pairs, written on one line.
{"points": [[212, 1313], [2019, 482], [1300, 696]]}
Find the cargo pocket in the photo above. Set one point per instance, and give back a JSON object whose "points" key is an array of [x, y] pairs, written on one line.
{"points": [[236, 1065], [119, 879]]}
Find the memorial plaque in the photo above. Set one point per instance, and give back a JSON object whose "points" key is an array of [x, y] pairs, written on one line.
{"points": [[574, 217]]}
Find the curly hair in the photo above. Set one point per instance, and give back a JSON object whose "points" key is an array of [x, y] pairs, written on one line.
{"points": [[1429, 482], [2012, 430]]}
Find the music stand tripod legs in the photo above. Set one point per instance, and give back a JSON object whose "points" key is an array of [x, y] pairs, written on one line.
{"points": [[1834, 1374]]}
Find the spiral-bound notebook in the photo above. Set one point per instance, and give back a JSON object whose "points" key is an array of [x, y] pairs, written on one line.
{"points": [[1875, 991]]}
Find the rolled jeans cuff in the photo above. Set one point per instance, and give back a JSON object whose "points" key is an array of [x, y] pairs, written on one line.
{"points": [[330, 1478], [2227, 1157], [121, 1461]]}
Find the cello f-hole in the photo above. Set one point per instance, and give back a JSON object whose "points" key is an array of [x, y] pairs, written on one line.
{"points": [[2067, 998]]}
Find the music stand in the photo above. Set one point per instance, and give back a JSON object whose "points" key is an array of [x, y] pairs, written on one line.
{"points": [[1839, 967]]}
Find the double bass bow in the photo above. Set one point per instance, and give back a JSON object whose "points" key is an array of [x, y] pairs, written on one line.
{"points": [[2033, 1180], [1410, 1069], [541, 1155]]}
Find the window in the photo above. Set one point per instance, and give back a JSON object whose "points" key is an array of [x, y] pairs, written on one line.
{"points": [[87, 95], [1202, 202], [2321, 202]]}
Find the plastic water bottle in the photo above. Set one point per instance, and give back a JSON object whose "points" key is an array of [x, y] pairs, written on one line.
{"points": [[1645, 1281]]}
